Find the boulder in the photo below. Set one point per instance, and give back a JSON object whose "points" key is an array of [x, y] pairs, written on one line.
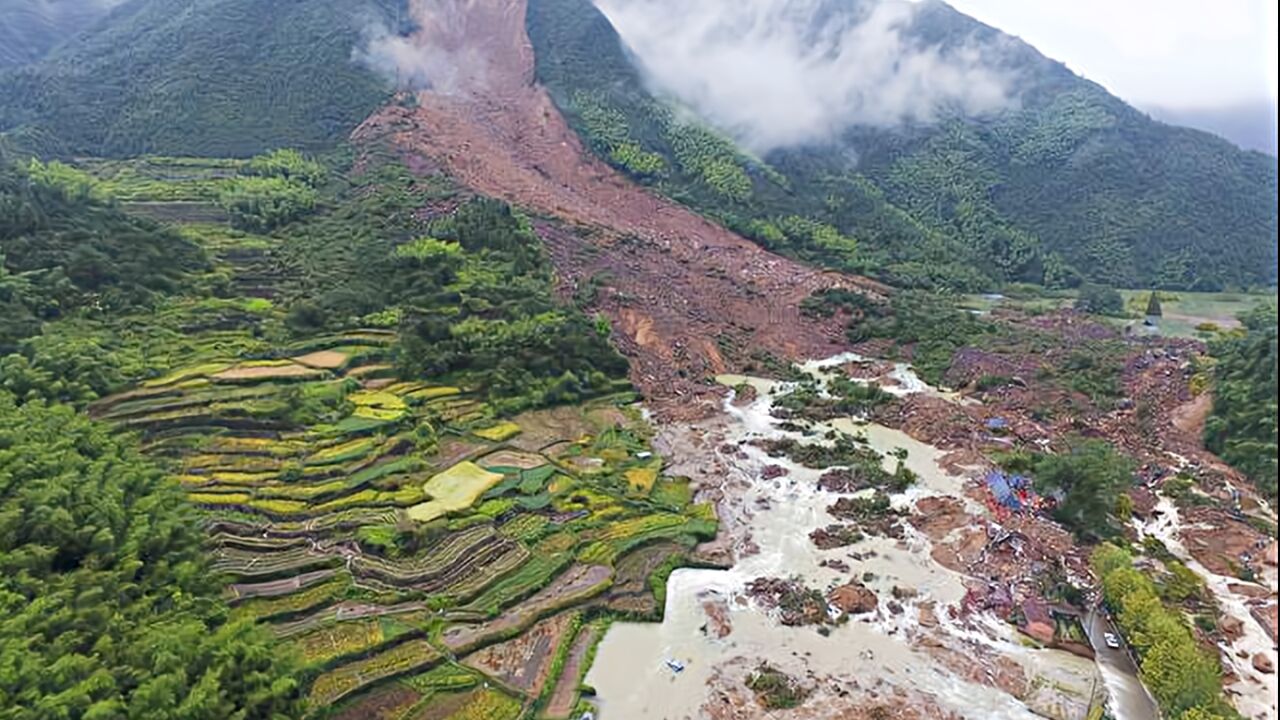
{"points": [[1231, 626], [928, 618], [854, 599], [1263, 664]]}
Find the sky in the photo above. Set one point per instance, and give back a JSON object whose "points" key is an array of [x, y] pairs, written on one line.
{"points": [[1182, 54]]}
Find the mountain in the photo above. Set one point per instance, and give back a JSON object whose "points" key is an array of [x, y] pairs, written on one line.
{"points": [[29, 29], [1064, 183], [986, 163], [220, 77], [1251, 125]]}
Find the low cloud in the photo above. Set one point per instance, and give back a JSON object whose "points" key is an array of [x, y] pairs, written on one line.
{"points": [[778, 73], [432, 52]]}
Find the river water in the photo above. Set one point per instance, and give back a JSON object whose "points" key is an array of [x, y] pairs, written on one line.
{"points": [[630, 674]]}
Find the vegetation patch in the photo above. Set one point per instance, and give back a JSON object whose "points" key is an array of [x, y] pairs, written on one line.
{"points": [[342, 681], [774, 689], [454, 489], [498, 433]]}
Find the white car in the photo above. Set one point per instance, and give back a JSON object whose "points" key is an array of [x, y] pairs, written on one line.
{"points": [[1111, 640]]}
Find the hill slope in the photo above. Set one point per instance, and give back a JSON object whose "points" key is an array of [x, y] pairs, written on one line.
{"points": [[223, 77], [31, 28], [1067, 182]]}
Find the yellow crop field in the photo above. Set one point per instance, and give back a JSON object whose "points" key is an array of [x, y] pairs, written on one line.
{"points": [[188, 373], [640, 480], [454, 489], [378, 405], [432, 393], [500, 432], [343, 451]]}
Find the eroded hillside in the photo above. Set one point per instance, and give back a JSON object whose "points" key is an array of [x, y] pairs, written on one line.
{"points": [[688, 299]]}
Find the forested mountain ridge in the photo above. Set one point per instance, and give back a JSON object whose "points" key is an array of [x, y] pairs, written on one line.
{"points": [[1070, 184], [229, 77], [31, 28]]}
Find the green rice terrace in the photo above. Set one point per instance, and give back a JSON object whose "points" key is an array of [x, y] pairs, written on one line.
{"points": [[416, 536], [427, 538]]}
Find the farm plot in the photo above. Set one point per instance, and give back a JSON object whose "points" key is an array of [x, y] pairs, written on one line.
{"points": [[376, 525], [454, 489], [346, 679], [565, 695], [524, 662]]}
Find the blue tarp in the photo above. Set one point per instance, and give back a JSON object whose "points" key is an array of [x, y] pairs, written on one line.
{"points": [[997, 424], [1005, 488]]}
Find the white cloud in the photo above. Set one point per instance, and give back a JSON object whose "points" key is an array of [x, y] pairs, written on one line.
{"points": [[766, 72], [1173, 53]]}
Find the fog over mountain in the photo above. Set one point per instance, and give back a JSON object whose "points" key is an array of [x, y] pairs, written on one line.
{"points": [[1250, 125], [778, 73], [30, 28]]}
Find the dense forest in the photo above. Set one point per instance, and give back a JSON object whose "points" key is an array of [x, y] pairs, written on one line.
{"points": [[28, 30], [107, 605], [1073, 185], [1242, 428], [63, 249], [224, 78]]}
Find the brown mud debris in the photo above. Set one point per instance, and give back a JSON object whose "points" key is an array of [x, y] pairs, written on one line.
{"points": [[688, 299], [719, 624], [794, 603], [854, 599]]}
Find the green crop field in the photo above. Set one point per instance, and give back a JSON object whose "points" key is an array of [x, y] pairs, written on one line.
{"points": [[1190, 314]]}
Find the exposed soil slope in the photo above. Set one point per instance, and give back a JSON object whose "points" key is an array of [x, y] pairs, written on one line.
{"points": [[687, 298]]}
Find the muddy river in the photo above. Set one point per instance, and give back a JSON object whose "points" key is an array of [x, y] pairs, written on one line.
{"points": [[877, 655]]}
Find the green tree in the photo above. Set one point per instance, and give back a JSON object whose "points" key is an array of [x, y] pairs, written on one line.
{"points": [[1089, 477], [1181, 676], [262, 204], [1099, 300], [107, 605], [1182, 584], [1153, 306], [1124, 508], [1108, 558], [288, 164]]}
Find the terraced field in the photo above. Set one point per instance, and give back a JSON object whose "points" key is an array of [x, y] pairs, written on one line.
{"points": [[399, 529], [420, 554]]}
